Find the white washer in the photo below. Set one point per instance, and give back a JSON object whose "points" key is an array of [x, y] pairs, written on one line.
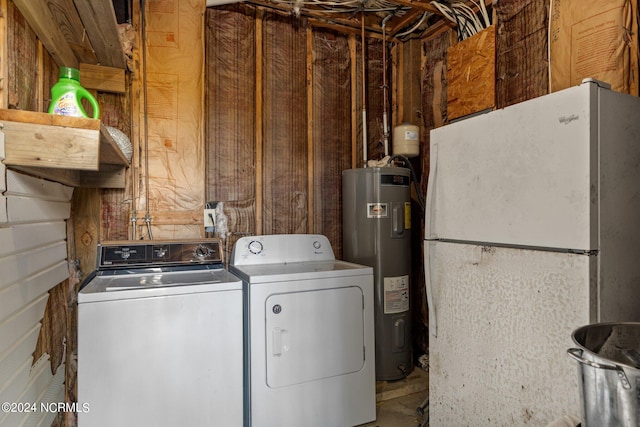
{"points": [[309, 333], [160, 337]]}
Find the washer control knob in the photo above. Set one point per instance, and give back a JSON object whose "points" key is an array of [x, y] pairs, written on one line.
{"points": [[316, 244], [201, 251], [255, 247]]}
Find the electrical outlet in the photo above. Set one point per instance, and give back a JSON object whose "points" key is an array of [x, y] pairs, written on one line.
{"points": [[209, 218]]}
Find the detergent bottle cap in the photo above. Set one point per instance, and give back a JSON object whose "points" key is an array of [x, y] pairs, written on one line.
{"points": [[70, 73]]}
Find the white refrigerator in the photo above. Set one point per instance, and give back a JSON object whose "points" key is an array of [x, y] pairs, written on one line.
{"points": [[532, 229]]}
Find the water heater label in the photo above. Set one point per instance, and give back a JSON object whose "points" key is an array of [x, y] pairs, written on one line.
{"points": [[407, 215], [396, 294], [377, 210]]}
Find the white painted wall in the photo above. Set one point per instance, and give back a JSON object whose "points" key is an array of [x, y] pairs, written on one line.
{"points": [[33, 259]]}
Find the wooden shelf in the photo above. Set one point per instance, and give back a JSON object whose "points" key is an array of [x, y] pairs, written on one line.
{"points": [[74, 151]]}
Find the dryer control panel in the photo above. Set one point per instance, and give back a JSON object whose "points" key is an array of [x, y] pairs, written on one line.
{"points": [[281, 249]]}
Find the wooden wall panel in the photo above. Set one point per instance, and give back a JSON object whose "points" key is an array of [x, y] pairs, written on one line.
{"points": [[521, 51], [283, 112], [375, 97], [22, 56], [471, 74], [284, 165], [113, 206], [230, 116], [331, 131], [230, 68], [50, 74]]}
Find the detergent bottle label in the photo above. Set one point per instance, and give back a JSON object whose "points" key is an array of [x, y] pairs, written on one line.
{"points": [[66, 105]]}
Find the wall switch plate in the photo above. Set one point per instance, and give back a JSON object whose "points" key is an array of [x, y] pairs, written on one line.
{"points": [[209, 218]]}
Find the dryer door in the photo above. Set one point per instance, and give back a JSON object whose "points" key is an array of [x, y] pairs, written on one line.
{"points": [[311, 335]]}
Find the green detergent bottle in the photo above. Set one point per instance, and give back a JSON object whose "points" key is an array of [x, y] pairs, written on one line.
{"points": [[67, 95]]}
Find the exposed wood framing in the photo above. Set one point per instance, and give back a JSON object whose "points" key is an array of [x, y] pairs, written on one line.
{"points": [[318, 19], [397, 78], [372, 22], [75, 31], [104, 79], [259, 131], [310, 152], [100, 16], [137, 130], [43, 23], [175, 217], [86, 224], [404, 21], [409, 88], [40, 89], [4, 67], [353, 46]]}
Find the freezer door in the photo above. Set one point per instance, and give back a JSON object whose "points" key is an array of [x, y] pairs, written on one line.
{"points": [[520, 175], [505, 319]]}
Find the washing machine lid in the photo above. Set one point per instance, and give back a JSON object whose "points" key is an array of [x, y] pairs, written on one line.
{"points": [[156, 282], [269, 273]]}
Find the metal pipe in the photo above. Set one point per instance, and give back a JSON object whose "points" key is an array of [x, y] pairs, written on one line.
{"points": [[385, 100], [134, 220], [364, 97], [147, 216], [423, 408], [423, 412]]}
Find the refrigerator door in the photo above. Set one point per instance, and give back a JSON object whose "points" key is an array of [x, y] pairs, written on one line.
{"points": [[619, 219], [505, 319], [519, 176]]}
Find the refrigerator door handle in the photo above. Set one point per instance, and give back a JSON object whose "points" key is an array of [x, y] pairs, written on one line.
{"points": [[428, 282], [430, 192], [427, 234]]}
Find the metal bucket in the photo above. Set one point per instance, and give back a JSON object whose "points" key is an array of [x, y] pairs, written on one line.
{"points": [[609, 373]]}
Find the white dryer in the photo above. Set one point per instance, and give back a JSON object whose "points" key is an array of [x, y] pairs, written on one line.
{"points": [[309, 333]]}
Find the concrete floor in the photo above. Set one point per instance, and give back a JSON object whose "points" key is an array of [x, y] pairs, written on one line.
{"points": [[397, 401]]}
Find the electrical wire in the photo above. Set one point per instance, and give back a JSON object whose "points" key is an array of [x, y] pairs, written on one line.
{"points": [[417, 25], [347, 6], [414, 177], [467, 21]]}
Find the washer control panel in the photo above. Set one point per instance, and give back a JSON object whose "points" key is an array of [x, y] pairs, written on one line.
{"points": [[159, 252], [281, 248]]}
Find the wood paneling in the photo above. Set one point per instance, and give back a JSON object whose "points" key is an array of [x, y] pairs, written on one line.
{"points": [[284, 123], [332, 134], [471, 74], [231, 104], [105, 79], [76, 31], [284, 126], [521, 51], [21, 86]]}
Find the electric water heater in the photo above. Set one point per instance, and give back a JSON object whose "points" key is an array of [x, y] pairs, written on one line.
{"points": [[376, 214]]}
